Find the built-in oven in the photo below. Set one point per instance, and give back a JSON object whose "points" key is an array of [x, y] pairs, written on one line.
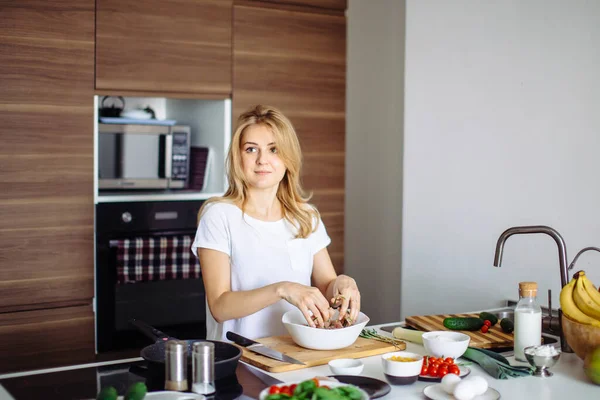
{"points": [[138, 156], [146, 270]]}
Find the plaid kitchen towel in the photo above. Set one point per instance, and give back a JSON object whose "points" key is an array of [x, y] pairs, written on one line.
{"points": [[153, 259]]}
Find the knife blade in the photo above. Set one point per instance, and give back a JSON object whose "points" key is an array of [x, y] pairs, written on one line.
{"points": [[260, 348]]}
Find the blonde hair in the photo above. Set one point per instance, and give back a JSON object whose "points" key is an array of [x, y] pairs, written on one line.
{"points": [[293, 199]]}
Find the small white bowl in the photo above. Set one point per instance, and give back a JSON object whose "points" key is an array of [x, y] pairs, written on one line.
{"points": [[318, 338], [446, 343], [402, 372], [346, 366]]}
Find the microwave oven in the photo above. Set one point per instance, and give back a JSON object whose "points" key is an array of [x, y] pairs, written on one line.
{"points": [[140, 156]]}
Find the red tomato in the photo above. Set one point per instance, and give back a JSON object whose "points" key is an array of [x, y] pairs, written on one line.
{"points": [[286, 390], [485, 328], [487, 323], [274, 390], [424, 369], [293, 387], [454, 369], [432, 359], [432, 370], [442, 371], [449, 360]]}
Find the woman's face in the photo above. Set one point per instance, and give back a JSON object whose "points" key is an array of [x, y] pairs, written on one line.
{"points": [[263, 169]]}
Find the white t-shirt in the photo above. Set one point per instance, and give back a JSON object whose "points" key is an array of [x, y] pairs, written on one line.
{"points": [[260, 253]]}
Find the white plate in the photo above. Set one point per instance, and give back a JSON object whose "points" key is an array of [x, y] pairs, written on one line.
{"points": [[464, 371], [322, 382], [435, 392]]}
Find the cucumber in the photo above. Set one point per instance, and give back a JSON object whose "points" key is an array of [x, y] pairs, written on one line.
{"points": [[137, 391], [409, 335], [507, 325], [463, 324], [490, 317]]}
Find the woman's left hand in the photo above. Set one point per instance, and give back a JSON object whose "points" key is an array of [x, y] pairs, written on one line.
{"points": [[345, 288]]}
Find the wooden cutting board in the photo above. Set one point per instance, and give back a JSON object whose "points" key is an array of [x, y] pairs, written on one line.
{"points": [[494, 338], [284, 344]]}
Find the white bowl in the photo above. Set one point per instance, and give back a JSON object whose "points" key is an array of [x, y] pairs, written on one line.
{"points": [[322, 382], [318, 338], [346, 366], [445, 343], [402, 372]]}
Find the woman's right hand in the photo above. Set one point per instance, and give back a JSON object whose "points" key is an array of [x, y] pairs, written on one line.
{"points": [[307, 299]]}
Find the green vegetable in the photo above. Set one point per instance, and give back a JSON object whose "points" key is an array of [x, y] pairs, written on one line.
{"points": [[308, 390], [137, 391], [409, 335], [108, 393], [463, 324], [507, 325], [372, 334], [490, 317]]}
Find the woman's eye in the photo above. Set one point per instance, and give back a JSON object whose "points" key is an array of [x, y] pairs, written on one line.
{"points": [[274, 150], [250, 149]]}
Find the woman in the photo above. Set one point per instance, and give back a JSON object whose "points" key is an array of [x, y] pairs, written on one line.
{"points": [[262, 247]]}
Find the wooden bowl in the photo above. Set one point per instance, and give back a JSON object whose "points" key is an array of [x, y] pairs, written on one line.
{"points": [[582, 338]]}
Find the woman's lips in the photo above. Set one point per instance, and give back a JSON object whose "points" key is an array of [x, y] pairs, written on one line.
{"points": [[262, 172]]}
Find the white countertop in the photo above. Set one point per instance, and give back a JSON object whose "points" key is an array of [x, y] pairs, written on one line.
{"points": [[568, 382]]}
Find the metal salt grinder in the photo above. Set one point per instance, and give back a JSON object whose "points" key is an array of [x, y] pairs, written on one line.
{"points": [[203, 367], [176, 365]]}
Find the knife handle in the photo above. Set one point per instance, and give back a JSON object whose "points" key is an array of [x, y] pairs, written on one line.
{"points": [[239, 339]]}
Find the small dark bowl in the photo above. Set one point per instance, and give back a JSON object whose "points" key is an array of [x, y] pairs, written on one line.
{"points": [[401, 380]]}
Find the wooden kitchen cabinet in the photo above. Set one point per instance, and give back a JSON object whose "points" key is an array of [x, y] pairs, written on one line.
{"points": [[46, 178], [168, 46], [296, 61]]}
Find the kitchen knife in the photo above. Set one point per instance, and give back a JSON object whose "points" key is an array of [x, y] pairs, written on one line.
{"points": [[260, 348]]}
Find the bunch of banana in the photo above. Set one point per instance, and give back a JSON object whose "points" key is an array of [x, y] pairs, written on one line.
{"points": [[580, 301]]}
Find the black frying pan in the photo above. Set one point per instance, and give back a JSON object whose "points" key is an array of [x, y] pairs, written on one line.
{"points": [[226, 354]]}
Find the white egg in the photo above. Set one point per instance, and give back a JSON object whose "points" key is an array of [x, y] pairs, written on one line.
{"points": [[480, 385], [449, 382], [464, 390]]}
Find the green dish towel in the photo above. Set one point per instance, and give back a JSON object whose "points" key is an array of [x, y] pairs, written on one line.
{"points": [[495, 364]]}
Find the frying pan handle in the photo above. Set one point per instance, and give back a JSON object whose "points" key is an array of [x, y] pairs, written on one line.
{"points": [[149, 331]]}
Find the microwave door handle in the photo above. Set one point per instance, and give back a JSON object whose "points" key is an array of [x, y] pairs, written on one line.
{"points": [[168, 155]]}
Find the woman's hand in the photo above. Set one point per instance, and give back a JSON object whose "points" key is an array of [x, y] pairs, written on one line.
{"points": [[307, 298], [345, 289]]}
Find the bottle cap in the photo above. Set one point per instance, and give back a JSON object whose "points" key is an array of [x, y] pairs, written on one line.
{"points": [[527, 289]]}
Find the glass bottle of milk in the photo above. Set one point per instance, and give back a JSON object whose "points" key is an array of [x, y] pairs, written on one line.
{"points": [[528, 320]]}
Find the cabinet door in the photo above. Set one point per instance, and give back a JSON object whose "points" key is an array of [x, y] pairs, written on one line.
{"points": [[340, 5], [296, 61], [46, 338], [164, 46], [46, 157]]}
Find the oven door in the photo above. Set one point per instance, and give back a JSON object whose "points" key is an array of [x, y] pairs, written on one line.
{"points": [[134, 156], [176, 303]]}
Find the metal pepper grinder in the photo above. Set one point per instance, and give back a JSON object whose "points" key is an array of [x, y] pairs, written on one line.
{"points": [[176, 365]]}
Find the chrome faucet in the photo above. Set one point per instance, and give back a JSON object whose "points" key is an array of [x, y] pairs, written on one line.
{"points": [[562, 260]]}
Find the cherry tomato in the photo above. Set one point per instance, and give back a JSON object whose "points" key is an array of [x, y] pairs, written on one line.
{"points": [[487, 323], [432, 370], [293, 388], [442, 371], [274, 389], [432, 359], [485, 328], [449, 360], [286, 390], [424, 369], [454, 369]]}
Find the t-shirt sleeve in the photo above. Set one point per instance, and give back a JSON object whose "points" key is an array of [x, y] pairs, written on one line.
{"points": [[212, 232], [319, 239]]}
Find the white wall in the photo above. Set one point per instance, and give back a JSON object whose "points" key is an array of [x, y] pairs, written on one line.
{"points": [[502, 128], [374, 153]]}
